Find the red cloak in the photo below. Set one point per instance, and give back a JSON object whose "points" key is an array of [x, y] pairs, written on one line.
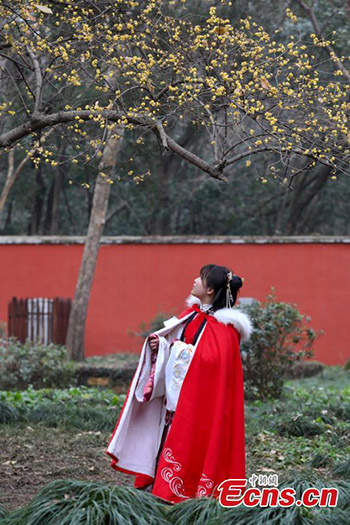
{"points": [[206, 441]]}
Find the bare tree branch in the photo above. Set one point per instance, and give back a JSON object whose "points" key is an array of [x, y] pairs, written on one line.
{"points": [[162, 134], [12, 174], [9, 138], [310, 12], [38, 82]]}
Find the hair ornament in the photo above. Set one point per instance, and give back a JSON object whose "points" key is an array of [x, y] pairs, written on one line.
{"points": [[229, 298]]}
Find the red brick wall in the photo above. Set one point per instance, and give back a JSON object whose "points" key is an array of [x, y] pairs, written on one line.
{"points": [[133, 281]]}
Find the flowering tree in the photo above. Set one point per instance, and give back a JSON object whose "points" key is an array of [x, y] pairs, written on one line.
{"points": [[92, 71], [142, 63]]}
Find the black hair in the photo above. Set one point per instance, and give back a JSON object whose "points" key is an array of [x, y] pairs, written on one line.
{"points": [[216, 277]]}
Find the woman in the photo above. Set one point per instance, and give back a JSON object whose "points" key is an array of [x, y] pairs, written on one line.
{"points": [[181, 429]]}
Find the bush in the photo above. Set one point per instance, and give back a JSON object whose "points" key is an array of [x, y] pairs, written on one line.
{"points": [[39, 365], [280, 337]]}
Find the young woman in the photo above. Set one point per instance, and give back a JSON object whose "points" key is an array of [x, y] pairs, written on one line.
{"points": [[181, 429]]}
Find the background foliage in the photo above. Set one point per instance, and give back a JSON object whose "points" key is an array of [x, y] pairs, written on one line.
{"points": [[177, 198], [281, 336], [36, 364]]}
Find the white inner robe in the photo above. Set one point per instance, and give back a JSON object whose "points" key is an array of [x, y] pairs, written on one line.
{"points": [[137, 439]]}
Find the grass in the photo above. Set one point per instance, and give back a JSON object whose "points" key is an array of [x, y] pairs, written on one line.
{"points": [[73, 502], [304, 437], [310, 419], [73, 408]]}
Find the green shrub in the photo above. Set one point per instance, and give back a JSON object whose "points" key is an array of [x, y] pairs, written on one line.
{"points": [[281, 336], [39, 365], [2, 329]]}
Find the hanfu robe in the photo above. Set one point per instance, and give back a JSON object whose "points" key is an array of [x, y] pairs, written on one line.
{"points": [[184, 434]]}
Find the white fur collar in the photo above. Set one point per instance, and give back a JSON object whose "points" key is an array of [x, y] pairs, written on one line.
{"points": [[239, 319]]}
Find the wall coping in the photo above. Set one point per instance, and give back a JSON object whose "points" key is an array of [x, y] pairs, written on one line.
{"points": [[177, 239]]}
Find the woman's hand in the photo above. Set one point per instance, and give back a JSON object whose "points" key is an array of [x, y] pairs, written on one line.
{"points": [[153, 342]]}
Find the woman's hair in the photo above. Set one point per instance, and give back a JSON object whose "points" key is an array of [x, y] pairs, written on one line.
{"points": [[216, 277]]}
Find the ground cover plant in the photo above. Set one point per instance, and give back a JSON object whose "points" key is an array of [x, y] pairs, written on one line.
{"points": [[58, 462], [73, 408]]}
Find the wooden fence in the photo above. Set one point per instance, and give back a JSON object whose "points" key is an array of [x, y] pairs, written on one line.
{"points": [[39, 319]]}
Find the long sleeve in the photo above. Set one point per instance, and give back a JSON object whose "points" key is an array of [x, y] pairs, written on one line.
{"points": [[164, 371], [148, 388], [151, 383]]}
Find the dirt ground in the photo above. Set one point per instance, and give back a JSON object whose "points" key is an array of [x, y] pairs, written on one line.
{"points": [[31, 457]]}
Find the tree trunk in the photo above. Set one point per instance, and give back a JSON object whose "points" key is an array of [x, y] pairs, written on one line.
{"points": [[34, 226], [77, 318], [48, 214], [13, 173], [10, 180], [305, 189], [8, 216], [59, 176]]}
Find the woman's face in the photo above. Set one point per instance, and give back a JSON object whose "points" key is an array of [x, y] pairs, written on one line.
{"points": [[201, 291]]}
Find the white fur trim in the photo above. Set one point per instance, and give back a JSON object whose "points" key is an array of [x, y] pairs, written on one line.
{"points": [[191, 300], [240, 320]]}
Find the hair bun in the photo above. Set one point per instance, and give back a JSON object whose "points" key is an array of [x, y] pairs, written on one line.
{"points": [[236, 282]]}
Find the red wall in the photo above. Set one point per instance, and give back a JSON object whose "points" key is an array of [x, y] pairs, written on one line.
{"points": [[133, 281]]}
